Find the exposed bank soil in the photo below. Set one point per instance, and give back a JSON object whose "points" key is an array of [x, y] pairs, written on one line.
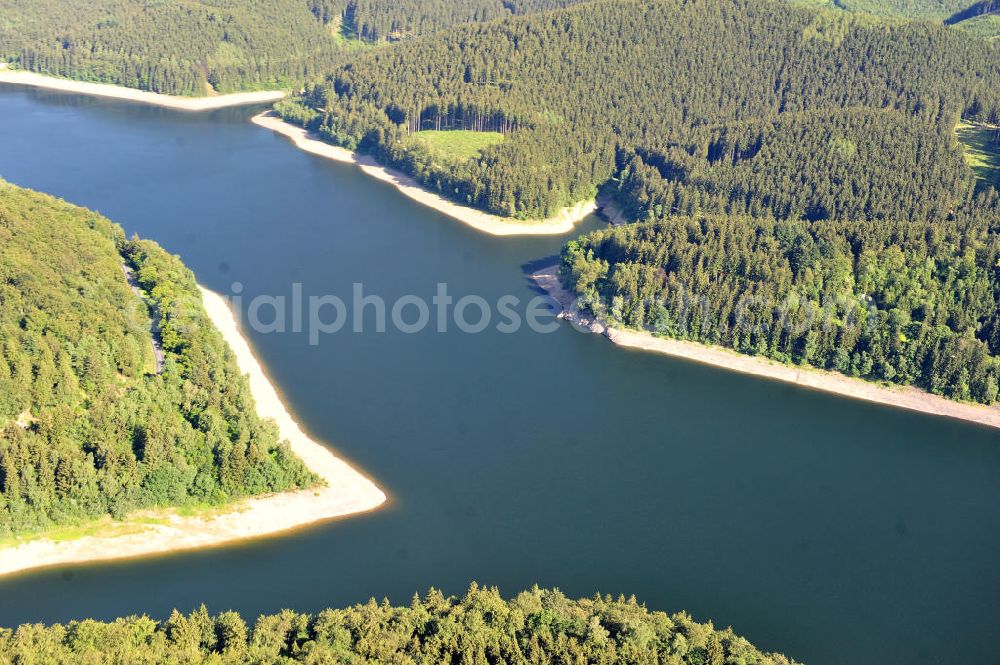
{"points": [[558, 224], [904, 397], [21, 77]]}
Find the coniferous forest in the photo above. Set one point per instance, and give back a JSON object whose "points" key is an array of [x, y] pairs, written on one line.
{"points": [[902, 302], [183, 48], [198, 47], [536, 627], [90, 424], [374, 21]]}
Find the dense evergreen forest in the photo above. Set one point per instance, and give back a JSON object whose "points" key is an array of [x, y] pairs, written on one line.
{"points": [[88, 425], [197, 47], [185, 47], [584, 92], [536, 627], [373, 21], [908, 302]]}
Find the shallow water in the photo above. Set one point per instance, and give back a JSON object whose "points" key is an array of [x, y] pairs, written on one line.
{"points": [[832, 530]]}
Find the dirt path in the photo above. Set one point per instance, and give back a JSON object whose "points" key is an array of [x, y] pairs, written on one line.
{"points": [[154, 321]]}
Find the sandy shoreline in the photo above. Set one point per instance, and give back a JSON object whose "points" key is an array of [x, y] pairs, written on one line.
{"points": [[347, 491], [903, 397], [20, 77], [477, 219]]}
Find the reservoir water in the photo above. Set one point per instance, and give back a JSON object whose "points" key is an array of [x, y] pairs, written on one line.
{"points": [[832, 530]]}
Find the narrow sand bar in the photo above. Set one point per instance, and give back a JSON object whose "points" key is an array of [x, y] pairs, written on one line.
{"points": [[20, 77], [903, 397], [347, 491], [561, 223]]}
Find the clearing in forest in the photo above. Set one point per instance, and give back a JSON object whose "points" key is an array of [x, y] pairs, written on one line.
{"points": [[982, 150], [457, 144]]}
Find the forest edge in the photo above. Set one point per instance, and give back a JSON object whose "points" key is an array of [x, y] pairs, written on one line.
{"points": [[910, 398]]}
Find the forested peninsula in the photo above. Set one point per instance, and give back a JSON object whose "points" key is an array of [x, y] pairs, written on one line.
{"points": [[537, 627], [121, 402]]}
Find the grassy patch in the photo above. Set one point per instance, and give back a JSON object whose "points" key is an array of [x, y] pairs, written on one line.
{"points": [[107, 527], [457, 144], [982, 150], [206, 510], [986, 26], [913, 9], [104, 527], [344, 36]]}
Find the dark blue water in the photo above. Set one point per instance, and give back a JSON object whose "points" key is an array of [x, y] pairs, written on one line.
{"points": [[832, 530]]}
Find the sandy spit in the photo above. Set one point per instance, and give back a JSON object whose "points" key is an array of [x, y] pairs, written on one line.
{"points": [[903, 397], [561, 223], [119, 92], [347, 491]]}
